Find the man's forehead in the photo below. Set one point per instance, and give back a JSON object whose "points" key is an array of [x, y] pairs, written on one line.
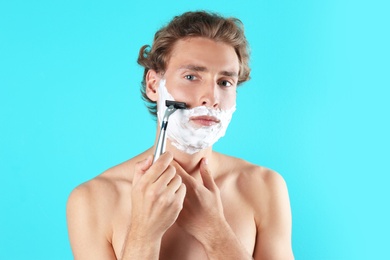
{"points": [[202, 55]]}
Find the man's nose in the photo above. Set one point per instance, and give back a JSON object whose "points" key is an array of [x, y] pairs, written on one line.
{"points": [[210, 95]]}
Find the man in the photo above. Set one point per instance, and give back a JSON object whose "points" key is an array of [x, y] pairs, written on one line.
{"points": [[192, 202]]}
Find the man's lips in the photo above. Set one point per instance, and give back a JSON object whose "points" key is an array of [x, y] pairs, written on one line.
{"points": [[205, 120]]}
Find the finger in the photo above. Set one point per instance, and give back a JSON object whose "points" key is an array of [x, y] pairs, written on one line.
{"points": [[207, 178], [176, 188], [166, 176], [159, 166], [176, 191], [175, 183], [186, 178], [145, 165], [181, 192], [141, 167]]}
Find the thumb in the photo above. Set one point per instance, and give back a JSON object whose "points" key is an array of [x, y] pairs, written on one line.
{"points": [[207, 178], [141, 167], [145, 164]]}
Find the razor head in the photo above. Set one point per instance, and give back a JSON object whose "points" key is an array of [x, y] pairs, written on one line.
{"points": [[175, 104]]}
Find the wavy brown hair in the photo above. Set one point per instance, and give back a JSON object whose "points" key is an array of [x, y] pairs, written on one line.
{"points": [[193, 24]]}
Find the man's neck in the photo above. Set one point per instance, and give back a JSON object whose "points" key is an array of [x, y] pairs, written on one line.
{"points": [[189, 162]]}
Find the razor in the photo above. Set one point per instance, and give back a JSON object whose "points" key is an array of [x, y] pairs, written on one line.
{"points": [[172, 106]]}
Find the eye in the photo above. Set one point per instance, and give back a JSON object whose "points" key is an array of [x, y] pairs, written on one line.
{"points": [[190, 77], [225, 83]]}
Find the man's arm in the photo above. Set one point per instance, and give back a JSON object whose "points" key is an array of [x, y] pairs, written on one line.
{"points": [[156, 201], [274, 227], [225, 245], [85, 234], [157, 196]]}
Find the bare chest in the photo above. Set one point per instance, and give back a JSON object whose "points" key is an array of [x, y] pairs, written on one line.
{"points": [[177, 244]]}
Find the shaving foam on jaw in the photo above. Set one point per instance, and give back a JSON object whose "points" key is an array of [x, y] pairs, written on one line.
{"points": [[186, 136]]}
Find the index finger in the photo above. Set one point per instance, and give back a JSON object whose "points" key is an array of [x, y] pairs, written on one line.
{"points": [[187, 179], [158, 167]]}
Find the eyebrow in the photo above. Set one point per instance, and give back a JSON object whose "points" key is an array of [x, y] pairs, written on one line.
{"points": [[204, 69]]}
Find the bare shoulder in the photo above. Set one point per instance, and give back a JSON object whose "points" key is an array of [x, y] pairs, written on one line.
{"points": [[264, 192], [259, 186], [105, 190], [91, 210], [251, 177], [93, 194], [96, 199], [101, 187]]}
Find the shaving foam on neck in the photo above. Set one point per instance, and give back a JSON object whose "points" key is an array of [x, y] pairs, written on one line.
{"points": [[185, 135]]}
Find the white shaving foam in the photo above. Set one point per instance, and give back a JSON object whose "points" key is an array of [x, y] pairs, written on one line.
{"points": [[186, 136]]}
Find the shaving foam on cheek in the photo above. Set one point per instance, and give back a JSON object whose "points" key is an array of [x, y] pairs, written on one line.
{"points": [[183, 134]]}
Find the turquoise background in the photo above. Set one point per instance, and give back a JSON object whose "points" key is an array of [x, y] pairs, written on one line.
{"points": [[316, 110]]}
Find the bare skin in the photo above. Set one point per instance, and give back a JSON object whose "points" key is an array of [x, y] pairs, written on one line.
{"points": [[201, 206]]}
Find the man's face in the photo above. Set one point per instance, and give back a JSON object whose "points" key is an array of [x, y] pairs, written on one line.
{"points": [[202, 72]]}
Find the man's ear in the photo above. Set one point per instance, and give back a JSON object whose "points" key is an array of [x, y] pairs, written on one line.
{"points": [[152, 80]]}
